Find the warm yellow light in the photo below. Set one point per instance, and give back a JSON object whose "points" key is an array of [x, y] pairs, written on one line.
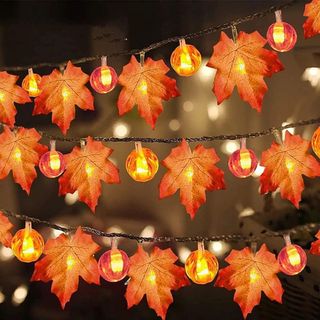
{"points": [[142, 167], [1, 96], [89, 169], [202, 268], [70, 262], [27, 246], [189, 173], [152, 277], [294, 256], [143, 87], [245, 159], [54, 161], [17, 154], [278, 33], [290, 165], [33, 86], [185, 60], [65, 93], [240, 66], [105, 76], [254, 275], [116, 262]]}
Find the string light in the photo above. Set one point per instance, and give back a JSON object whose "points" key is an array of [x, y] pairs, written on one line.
{"points": [[281, 36], [142, 164], [315, 142], [31, 83]]}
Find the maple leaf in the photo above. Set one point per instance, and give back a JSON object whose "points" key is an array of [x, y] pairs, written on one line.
{"points": [[193, 173], [85, 167], [249, 274], [10, 93], [284, 166], [146, 86], [61, 92], [5, 227], [66, 259], [244, 64], [311, 27], [20, 152], [154, 275], [315, 245]]}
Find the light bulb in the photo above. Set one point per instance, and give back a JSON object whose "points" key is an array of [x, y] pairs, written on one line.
{"points": [[240, 66], [89, 169], [143, 87], [17, 154], [254, 276], [289, 165], [65, 93], [70, 262], [152, 277], [189, 173], [31, 83]]}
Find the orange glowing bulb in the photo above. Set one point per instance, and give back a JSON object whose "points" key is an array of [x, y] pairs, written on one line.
{"points": [[17, 154], [152, 277], [65, 93], [254, 276], [189, 172], [240, 66], [27, 244], [142, 164], [70, 262], [201, 265], [89, 169], [315, 142], [143, 87], [185, 59], [31, 83], [289, 165]]}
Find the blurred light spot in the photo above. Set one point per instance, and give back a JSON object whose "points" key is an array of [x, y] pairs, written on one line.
{"points": [[218, 247], [112, 229], [71, 198], [121, 130], [2, 297], [174, 125], [148, 231], [312, 75], [188, 106], [205, 73], [213, 111], [291, 130], [258, 172], [183, 253], [19, 295], [56, 233], [246, 212], [229, 147], [5, 253]]}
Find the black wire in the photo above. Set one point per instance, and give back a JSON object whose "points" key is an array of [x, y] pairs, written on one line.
{"points": [[156, 45], [310, 228], [256, 134]]}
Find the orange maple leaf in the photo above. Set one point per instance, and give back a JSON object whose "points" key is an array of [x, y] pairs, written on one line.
{"points": [[315, 245], [250, 274], [284, 166], [155, 276], [85, 167], [5, 227], [20, 152], [146, 86], [9, 94], [61, 92], [244, 64], [193, 173], [311, 27], [66, 259]]}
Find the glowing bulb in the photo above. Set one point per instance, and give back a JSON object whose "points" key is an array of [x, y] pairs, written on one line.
{"points": [[116, 261], [27, 246], [143, 87], [254, 275], [89, 169], [290, 165], [31, 83], [245, 159], [240, 66], [65, 93], [293, 256], [189, 173], [17, 154], [185, 61], [54, 161], [152, 277], [202, 268], [278, 33], [70, 262], [105, 76]]}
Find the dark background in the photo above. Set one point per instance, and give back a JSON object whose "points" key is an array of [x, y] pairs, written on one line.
{"points": [[32, 32]]}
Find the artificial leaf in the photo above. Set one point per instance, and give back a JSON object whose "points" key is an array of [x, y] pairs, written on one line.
{"points": [[5, 227], [85, 167], [249, 274], [66, 259], [154, 275], [146, 86], [61, 92], [10, 93], [284, 166], [315, 245], [311, 26], [193, 172], [20, 152], [244, 64]]}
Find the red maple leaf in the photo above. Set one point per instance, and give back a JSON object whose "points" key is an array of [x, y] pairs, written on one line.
{"points": [[284, 166], [85, 168], [61, 92], [5, 227], [66, 259], [250, 274], [311, 26], [315, 245], [146, 86], [154, 275], [10, 93], [244, 64], [193, 172], [20, 152]]}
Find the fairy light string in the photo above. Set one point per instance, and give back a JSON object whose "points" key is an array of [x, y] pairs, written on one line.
{"points": [[162, 43], [307, 228]]}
